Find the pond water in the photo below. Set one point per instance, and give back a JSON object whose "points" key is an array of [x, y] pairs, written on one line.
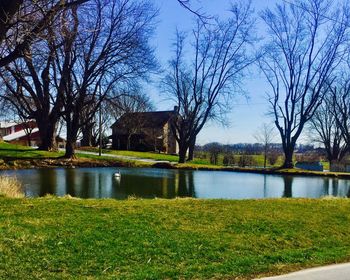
{"points": [[164, 183]]}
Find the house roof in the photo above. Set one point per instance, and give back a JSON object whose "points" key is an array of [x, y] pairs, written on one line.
{"points": [[5, 124], [154, 119], [18, 134]]}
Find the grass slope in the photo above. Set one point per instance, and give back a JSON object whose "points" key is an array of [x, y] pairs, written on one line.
{"points": [[52, 238], [11, 151], [8, 150], [146, 155]]}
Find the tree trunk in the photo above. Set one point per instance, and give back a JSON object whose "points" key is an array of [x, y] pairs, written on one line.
{"points": [[87, 136], [29, 140], [47, 131], [288, 156], [70, 149], [72, 135], [191, 149], [182, 153]]}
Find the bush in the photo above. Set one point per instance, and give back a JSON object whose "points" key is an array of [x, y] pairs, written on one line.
{"points": [[214, 150], [10, 187], [309, 157], [246, 160], [200, 155], [214, 158], [272, 157], [228, 159]]}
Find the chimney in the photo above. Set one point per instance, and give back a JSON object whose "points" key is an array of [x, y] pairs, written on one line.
{"points": [[176, 109]]}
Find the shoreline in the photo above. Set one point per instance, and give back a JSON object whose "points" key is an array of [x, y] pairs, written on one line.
{"points": [[15, 164]]}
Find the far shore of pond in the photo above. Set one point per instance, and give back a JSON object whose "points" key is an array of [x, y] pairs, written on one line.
{"points": [[92, 162]]}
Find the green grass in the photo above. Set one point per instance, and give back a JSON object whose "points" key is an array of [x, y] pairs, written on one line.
{"points": [[22, 152], [258, 159], [146, 155], [59, 238]]}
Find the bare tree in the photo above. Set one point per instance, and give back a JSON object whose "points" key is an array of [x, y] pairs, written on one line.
{"points": [[131, 105], [197, 12], [111, 50], [33, 83], [340, 91], [131, 100], [203, 88], [326, 130], [22, 22], [266, 136], [306, 45]]}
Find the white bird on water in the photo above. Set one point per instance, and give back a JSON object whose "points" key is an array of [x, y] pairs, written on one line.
{"points": [[117, 174]]}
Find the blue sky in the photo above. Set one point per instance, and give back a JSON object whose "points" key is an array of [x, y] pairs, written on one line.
{"points": [[247, 115]]}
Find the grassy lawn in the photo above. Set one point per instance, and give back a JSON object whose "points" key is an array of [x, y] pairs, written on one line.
{"points": [[146, 155], [23, 152], [60, 238]]}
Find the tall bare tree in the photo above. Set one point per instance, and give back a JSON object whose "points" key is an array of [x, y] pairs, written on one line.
{"points": [[340, 91], [111, 50], [131, 103], [307, 42], [325, 129], [33, 84], [130, 100], [203, 87], [266, 136]]}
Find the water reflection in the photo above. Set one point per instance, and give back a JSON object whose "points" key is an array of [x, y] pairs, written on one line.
{"points": [[288, 182], [156, 183], [70, 177], [151, 183], [48, 182]]}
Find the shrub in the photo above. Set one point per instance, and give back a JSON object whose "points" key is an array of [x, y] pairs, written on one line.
{"points": [[272, 157], [228, 159], [10, 187], [246, 160], [309, 157], [214, 150], [200, 154]]}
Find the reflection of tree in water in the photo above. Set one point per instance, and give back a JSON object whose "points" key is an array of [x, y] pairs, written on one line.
{"points": [[168, 185], [87, 185], [288, 182], [185, 184], [334, 187], [265, 185], [70, 181], [348, 194], [326, 186], [100, 185], [48, 181]]}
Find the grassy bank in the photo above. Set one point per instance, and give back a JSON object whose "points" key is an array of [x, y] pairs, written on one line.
{"points": [[15, 156], [52, 238]]}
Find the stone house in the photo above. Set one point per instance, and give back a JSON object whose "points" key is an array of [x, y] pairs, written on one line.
{"points": [[145, 131]]}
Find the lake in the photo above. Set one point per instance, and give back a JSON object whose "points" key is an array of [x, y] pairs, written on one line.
{"points": [[169, 183]]}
